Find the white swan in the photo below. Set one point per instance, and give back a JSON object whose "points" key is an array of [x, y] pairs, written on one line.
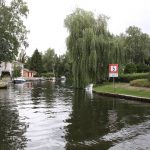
{"points": [[89, 87]]}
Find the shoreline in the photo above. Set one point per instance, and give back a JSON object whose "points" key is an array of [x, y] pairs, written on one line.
{"points": [[124, 91], [127, 97]]}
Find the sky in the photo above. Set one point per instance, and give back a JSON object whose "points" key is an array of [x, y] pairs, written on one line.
{"points": [[46, 19]]}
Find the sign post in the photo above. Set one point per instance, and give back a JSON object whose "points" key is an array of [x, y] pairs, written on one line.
{"points": [[113, 72]]}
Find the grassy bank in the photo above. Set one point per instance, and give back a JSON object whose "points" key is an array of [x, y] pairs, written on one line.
{"points": [[124, 88]]}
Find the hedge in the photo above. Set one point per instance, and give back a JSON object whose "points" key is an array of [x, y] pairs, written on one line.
{"points": [[130, 77], [140, 83], [48, 74], [130, 68], [142, 68]]}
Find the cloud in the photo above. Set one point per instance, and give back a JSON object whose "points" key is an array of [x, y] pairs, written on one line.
{"points": [[46, 19]]}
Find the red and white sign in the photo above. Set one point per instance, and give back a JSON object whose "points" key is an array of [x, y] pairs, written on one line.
{"points": [[113, 70]]}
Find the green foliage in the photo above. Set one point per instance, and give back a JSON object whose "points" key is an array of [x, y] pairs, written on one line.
{"points": [[91, 47], [137, 45], [130, 77], [27, 63], [16, 72], [130, 68], [22, 57], [36, 62], [142, 68], [13, 33], [123, 88], [140, 83], [49, 60], [63, 66], [48, 74], [148, 76]]}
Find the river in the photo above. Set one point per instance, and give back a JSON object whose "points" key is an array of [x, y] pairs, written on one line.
{"points": [[54, 116]]}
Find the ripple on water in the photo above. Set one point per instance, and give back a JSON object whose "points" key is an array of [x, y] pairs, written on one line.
{"points": [[51, 117]]}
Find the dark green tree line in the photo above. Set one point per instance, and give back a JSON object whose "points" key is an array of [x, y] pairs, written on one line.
{"points": [[36, 62], [49, 60], [137, 45]]}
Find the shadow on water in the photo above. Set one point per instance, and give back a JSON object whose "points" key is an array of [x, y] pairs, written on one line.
{"points": [[52, 116], [103, 122]]}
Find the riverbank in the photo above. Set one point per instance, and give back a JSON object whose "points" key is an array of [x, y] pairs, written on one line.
{"points": [[124, 90], [3, 84]]}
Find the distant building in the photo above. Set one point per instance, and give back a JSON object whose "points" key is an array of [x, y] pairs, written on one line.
{"points": [[28, 73], [8, 67], [1, 2]]}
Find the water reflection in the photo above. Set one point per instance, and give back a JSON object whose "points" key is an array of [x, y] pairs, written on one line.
{"points": [[95, 124], [12, 128], [45, 115]]}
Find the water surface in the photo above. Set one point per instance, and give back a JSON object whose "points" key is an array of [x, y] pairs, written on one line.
{"points": [[53, 116]]}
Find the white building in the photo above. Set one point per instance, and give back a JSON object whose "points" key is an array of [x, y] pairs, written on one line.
{"points": [[8, 67]]}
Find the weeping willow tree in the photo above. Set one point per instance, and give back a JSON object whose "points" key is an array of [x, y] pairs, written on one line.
{"points": [[91, 47]]}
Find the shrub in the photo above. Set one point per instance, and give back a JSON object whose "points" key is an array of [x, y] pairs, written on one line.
{"points": [[148, 77], [130, 68], [142, 68], [140, 83], [48, 74], [16, 72], [130, 77]]}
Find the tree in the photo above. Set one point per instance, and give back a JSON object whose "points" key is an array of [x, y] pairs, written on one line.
{"points": [[36, 62], [13, 33], [63, 66], [91, 47], [22, 56], [27, 62], [16, 72], [137, 45], [49, 60]]}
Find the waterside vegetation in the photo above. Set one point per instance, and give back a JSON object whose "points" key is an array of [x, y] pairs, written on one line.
{"points": [[123, 88], [91, 47]]}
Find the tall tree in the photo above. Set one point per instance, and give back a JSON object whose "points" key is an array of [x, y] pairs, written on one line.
{"points": [[63, 66], [13, 33], [22, 56], [36, 62], [27, 63], [49, 60], [137, 44], [90, 46]]}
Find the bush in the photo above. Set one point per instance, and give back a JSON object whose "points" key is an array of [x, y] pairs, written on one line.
{"points": [[130, 68], [130, 77], [148, 77], [48, 74], [140, 83], [142, 68], [16, 72]]}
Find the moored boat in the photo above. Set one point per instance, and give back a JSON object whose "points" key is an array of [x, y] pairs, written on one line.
{"points": [[19, 80]]}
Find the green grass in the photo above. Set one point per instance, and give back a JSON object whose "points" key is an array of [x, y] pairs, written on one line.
{"points": [[124, 88]]}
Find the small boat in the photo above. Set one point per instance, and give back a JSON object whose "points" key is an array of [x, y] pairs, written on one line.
{"points": [[19, 80]]}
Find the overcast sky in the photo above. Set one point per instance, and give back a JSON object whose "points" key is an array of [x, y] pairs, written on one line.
{"points": [[46, 19]]}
